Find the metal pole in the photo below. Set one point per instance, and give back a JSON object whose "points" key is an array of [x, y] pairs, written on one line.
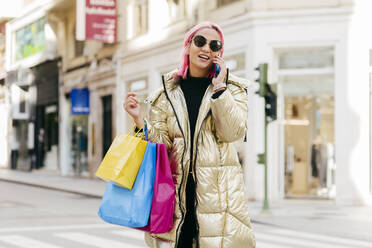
{"points": [[266, 202]]}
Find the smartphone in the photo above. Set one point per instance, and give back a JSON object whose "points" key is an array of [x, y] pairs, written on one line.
{"points": [[217, 69]]}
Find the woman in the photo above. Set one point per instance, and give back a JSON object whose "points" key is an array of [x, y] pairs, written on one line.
{"points": [[198, 116]]}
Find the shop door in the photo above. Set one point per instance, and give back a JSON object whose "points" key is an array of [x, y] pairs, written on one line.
{"points": [[107, 123], [79, 144], [306, 79]]}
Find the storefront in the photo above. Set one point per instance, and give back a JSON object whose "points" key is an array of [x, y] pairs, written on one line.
{"points": [[87, 116], [32, 80]]}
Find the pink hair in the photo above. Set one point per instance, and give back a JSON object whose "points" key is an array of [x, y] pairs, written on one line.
{"points": [[182, 72]]}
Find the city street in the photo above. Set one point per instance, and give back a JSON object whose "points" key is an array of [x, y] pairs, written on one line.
{"points": [[31, 217], [35, 217]]}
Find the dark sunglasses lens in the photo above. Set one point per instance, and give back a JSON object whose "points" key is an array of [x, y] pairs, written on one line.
{"points": [[199, 41], [215, 45]]}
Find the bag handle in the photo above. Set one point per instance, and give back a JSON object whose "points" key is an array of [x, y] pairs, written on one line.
{"points": [[144, 135]]}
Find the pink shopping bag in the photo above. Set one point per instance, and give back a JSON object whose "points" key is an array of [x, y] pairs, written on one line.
{"points": [[161, 215]]}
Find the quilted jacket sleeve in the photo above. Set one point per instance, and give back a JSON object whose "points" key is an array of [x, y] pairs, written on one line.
{"points": [[230, 113], [156, 122]]}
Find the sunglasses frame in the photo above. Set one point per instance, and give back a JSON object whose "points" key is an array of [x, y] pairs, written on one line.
{"points": [[211, 46]]}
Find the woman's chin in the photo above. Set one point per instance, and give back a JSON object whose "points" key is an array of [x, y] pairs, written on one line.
{"points": [[203, 65]]}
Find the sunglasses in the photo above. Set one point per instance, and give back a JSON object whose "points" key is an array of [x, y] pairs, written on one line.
{"points": [[200, 41]]}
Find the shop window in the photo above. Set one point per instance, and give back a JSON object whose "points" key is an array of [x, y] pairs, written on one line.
{"points": [[306, 79], [221, 3], [137, 18]]}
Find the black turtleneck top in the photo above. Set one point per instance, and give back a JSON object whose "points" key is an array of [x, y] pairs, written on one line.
{"points": [[193, 89]]}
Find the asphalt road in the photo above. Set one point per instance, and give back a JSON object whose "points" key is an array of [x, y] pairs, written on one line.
{"points": [[32, 217]]}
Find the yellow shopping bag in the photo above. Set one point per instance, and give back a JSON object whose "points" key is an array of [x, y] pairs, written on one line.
{"points": [[123, 159]]}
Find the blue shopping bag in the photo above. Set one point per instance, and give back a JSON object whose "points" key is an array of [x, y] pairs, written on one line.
{"points": [[131, 208]]}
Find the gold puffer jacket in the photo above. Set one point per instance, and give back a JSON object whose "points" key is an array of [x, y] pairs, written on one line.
{"points": [[221, 205]]}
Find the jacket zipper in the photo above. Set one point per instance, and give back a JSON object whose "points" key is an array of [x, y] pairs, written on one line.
{"points": [[195, 179], [183, 154], [194, 166]]}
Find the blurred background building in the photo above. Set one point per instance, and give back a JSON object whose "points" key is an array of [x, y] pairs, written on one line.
{"points": [[70, 63]]}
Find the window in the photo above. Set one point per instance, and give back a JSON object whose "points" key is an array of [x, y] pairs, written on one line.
{"points": [[79, 48], [370, 132], [225, 2], [22, 102], [176, 9], [307, 58], [137, 18]]}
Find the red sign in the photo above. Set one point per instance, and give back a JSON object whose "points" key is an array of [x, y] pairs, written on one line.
{"points": [[100, 20]]}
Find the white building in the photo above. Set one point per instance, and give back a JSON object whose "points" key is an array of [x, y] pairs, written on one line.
{"points": [[319, 61]]}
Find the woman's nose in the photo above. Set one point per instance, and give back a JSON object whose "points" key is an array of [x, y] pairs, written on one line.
{"points": [[206, 48]]}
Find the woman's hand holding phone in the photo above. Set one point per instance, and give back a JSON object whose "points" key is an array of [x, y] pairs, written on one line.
{"points": [[219, 81]]}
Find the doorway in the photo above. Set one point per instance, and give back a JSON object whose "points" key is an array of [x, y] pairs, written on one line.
{"points": [[107, 123]]}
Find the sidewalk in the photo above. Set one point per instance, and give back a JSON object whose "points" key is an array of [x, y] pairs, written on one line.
{"points": [[52, 180], [316, 216]]}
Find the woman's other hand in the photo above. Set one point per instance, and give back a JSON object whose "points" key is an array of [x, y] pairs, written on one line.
{"points": [[132, 106]]}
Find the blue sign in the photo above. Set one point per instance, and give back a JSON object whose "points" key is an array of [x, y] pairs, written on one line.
{"points": [[79, 101]]}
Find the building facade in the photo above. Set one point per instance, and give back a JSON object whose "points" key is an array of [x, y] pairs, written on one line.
{"points": [[48, 70], [87, 66], [32, 82], [319, 147], [320, 66]]}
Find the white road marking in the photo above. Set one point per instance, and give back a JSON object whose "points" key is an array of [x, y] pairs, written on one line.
{"points": [[297, 241], [261, 244], [48, 228], [95, 241], [25, 242], [130, 233], [319, 237]]}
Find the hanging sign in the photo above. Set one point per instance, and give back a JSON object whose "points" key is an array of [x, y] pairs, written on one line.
{"points": [[96, 20], [79, 101]]}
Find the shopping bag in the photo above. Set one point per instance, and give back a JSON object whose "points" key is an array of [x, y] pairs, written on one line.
{"points": [[131, 208], [123, 159], [161, 215]]}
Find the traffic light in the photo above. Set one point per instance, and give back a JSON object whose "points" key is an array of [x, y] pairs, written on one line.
{"points": [[270, 104], [262, 79]]}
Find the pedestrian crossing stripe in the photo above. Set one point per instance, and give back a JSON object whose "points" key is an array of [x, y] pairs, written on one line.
{"points": [[131, 238], [25, 242], [261, 244], [130, 233], [95, 241], [297, 242], [331, 240], [49, 228]]}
